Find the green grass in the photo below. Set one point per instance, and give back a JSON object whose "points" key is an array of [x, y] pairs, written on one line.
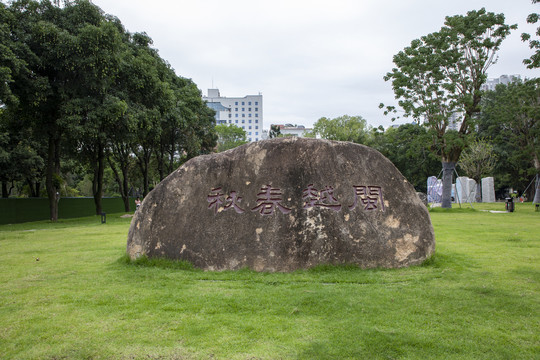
{"points": [[477, 298]]}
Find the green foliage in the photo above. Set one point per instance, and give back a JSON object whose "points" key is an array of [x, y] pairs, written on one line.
{"points": [[77, 85], [510, 118], [534, 43], [343, 128], [441, 74], [408, 147], [230, 136], [478, 160]]}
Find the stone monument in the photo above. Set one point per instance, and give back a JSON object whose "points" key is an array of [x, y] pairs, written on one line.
{"points": [[488, 190], [285, 204], [434, 189], [472, 191]]}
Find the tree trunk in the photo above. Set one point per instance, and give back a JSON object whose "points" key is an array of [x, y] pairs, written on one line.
{"points": [[448, 175], [5, 193], [479, 191], [97, 182], [33, 191], [53, 168], [536, 199], [122, 183]]}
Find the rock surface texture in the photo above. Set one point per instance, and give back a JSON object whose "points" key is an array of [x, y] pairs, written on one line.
{"points": [[285, 204]]}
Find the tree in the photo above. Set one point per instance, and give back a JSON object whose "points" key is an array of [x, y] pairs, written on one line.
{"points": [[21, 157], [439, 77], [407, 147], [477, 161], [534, 61], [94, 107], [511, 117], [342, 128], [275, 131], [230, 136]]}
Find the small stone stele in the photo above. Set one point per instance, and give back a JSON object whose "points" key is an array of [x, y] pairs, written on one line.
{"points": [[285, 204]]}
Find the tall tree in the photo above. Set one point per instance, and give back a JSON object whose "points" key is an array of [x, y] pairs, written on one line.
{"points": [[439, 77], [94, 107]]}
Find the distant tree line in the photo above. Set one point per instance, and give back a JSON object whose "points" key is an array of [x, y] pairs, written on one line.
{"points": [[81, 98], [503, 144]]}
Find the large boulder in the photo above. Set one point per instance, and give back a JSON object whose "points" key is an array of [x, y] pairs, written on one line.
{"points": [[285, 204]]}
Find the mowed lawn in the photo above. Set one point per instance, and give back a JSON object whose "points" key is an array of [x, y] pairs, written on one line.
{"points": [[67, 292]]}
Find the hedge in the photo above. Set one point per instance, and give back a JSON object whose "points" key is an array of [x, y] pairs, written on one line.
{"points": [[18, 210]]}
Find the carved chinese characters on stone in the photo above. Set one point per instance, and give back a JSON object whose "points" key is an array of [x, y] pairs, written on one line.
{"points": [[215, 198], [269, 199], [369, 196], [324, 198]]}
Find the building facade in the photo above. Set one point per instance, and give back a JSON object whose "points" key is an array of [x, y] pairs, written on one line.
{"points": [[292, 130], [245, 112], [490, 84]]}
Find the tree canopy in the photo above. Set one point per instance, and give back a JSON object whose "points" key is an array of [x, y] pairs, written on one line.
{"points": [[342, 128], [230, 136], [79, 86]]}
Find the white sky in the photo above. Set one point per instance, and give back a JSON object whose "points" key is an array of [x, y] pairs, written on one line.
{"points": [[309, 59]]}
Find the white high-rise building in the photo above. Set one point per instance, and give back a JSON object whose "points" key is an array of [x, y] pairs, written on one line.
{"points": [[490, 84], [245, 112]]}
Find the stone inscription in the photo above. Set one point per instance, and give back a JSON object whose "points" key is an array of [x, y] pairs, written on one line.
{"points": [[270, 199]]}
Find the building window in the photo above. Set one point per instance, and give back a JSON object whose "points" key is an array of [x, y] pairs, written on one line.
{"points": [[256, 132], [249, 115], [250, 121], [243, 115], [230, 116], [243, 103], [256, 109], [249, 103], [236, 121], [235, 115], [249, 127], [256, 127], [256, 103], [235, 109], [243, 121], [236, 103], [256, 139], [249, 139], [256, 121], [243, 127], [256, 115], [249, 109]]}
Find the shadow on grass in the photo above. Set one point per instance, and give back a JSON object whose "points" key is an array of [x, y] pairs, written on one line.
{"points": [[161, 263], [438, 261]]}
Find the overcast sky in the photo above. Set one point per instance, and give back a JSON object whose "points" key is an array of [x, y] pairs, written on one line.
{"points": [[309, 59]]}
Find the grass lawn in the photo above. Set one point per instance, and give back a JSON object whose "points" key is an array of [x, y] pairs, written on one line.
{"points": [[477, 298]]}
